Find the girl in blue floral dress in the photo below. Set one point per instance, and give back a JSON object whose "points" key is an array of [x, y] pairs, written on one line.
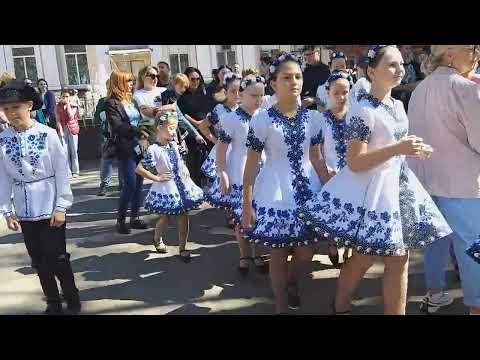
{"points": [[231, 83], [289, 176], [376, 204], [226, 191], [334, 130], [173, 191]]}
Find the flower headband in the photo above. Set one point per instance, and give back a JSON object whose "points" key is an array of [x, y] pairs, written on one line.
{"points": [[165, 116], [256, 80], [338, 75], [338, 55], [229, 77], [374, 50], [281, 59]]}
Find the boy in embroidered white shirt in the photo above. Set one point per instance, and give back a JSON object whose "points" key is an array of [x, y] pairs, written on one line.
{"points": [[33, 165]]}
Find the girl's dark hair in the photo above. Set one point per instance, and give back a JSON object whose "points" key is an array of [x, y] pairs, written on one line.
{"points": [[191, 69], [224, 67], [45, 81], [373, 63]]}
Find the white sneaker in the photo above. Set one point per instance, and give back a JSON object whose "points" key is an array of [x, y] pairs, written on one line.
{"points": [[432, 302]]}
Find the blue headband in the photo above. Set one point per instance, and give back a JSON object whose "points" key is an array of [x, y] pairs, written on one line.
{"points": [[281, 59], [374, 50], [337, 55], [229, 77], [338, 74], [256, 80]]}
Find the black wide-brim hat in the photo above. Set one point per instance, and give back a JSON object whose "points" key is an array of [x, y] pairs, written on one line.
{"points": [[18, 91]]}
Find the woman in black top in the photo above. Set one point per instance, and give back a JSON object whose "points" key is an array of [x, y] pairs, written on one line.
{"points": [[215, 90], [194, 104]]}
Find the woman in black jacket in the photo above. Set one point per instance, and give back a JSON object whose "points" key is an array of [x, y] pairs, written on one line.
{"points": [[123, 116], [194, 104]]}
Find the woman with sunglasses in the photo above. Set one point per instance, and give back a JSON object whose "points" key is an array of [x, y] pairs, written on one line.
{"points": [[124, 117], [194, 105], [148, 97]]}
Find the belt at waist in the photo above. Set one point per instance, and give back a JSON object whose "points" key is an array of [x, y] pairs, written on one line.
{"points": [[22, 183]]}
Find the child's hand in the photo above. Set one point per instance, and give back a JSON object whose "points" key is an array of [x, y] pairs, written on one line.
{"points": [[165, 177], [13, 223], [57, 219]]}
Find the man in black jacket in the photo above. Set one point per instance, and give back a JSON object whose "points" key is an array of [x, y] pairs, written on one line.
{"points": [[314, 75]]}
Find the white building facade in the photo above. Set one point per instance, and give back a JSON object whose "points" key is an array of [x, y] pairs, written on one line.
{"points": [[87, 67]]}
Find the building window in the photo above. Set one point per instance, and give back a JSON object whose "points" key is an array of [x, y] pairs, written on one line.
{"points": [[77, 65], [178, 63], [226, 55], [25, 63]]}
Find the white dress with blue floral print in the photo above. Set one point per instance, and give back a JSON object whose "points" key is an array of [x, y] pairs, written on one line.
{"points": [[34, 168], [382, 211], [177, 195], [208, 167], [334, 141], [233, 131], [287, 179]]}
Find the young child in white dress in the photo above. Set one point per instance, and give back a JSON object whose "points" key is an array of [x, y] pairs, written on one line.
{"points": [[173, 192], [226, 191], [34, 168], [375, 204], [338, 61], [288, 178], [334, 131], [231, 83]]}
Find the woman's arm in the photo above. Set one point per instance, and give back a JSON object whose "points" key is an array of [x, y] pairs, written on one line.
{"points": [[249, 176], [183, 121], [318, 163], [360, 159]]}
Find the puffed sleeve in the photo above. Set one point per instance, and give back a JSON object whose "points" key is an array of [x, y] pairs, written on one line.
{"points": [[257, 133], [360, 124], [316, 125], [227, 128], [64, 197], [469, 103], [321, 96], [6, 184], [149, 159], [214, 118]]}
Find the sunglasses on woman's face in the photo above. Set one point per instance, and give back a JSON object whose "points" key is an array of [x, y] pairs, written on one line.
{"points": [[151, 76], [194, 79]]}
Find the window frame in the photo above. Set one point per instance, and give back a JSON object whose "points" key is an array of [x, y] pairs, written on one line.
{"points": [[23, 57], [76, 54]]}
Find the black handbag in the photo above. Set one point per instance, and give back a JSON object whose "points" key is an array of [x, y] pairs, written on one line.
{"points": [[109, 148]]}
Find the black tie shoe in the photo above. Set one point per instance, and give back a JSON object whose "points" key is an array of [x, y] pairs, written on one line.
{"points": [[123, 228], [54, 308], [138, 224]]}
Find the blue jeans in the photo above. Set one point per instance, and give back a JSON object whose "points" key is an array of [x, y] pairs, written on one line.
{"points": [[462, 216], [131, 193], [106, 169]]}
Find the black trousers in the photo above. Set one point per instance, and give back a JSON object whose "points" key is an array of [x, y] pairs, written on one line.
{"points": [[47, 248]]}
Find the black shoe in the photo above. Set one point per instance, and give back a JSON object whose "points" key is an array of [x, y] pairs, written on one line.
{"points": [[54, 308], [138, 224], [123, 228], [293, 298], [243, 270], [74, 306], [102, 191], [185, 256]]}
